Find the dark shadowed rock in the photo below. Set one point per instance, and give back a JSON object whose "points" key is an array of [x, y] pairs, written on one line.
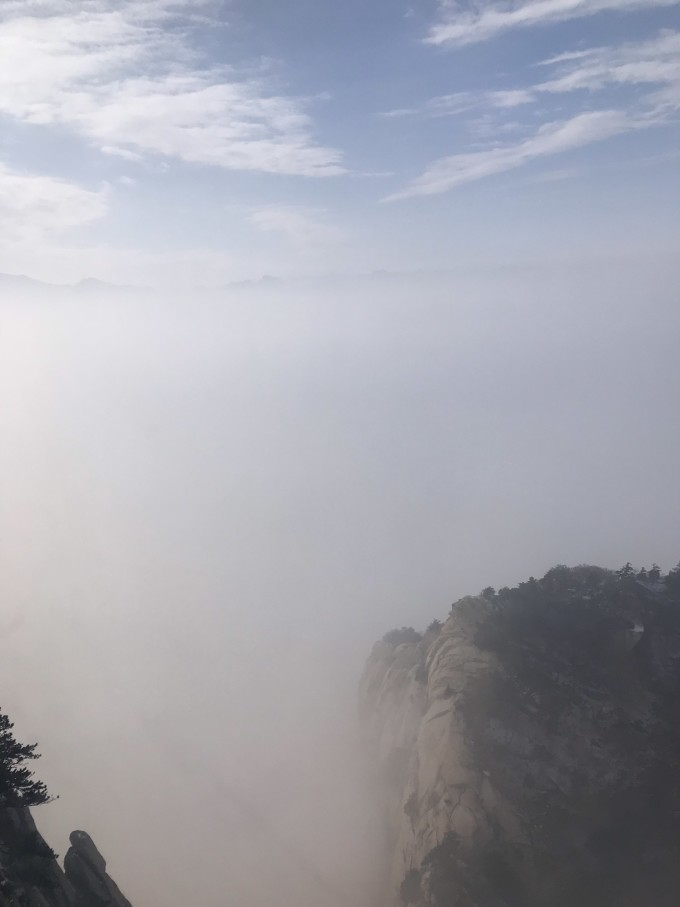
{"points": [[30, 875], [85, 869]]}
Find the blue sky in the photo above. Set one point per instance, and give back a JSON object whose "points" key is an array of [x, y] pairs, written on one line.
{"points": [[161, 142]]}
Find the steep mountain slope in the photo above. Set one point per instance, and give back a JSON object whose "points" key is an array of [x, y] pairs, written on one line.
{"points": [[527, 751], [30, 875]]}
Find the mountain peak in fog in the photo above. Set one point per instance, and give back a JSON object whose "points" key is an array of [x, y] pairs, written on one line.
{"points": [[527, 748]]}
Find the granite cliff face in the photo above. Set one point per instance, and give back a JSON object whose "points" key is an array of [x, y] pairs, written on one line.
{"points": [[85, 869], [527, 751], [30, 875]]}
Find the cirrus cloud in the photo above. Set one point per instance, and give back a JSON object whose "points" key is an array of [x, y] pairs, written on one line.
{"points": [[652, 67], [127, 77], [552, 138], [487, 20], [302, 226], [34, 208]]}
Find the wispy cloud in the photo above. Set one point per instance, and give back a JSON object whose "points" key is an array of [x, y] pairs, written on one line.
{"points": [[643, 63], [127, 77], [552, 138], [36, 208], [635, 63], [462, 101], [398, 113], [652, 66], [487, 20], [302, 226]]}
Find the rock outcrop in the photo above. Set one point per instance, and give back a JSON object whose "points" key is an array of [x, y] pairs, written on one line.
{"points": [[527, 751], [85, 869], [30, 875]]}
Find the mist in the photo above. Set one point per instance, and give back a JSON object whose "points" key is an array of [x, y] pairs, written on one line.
{"points": [[211, 506]]}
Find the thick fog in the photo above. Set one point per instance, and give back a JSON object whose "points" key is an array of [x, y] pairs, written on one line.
{"points": [[210, 507]]}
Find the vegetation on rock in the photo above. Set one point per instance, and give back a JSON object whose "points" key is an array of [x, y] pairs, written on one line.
{"points": [[538, 736], [399, 636], [18, 787]]}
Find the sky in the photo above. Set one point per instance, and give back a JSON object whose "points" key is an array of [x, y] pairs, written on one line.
{"points": [[166, 143]]}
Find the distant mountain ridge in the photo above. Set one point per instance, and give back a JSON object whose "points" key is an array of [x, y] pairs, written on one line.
{"points": [[20, 280], [265, 282], [23, 282]]}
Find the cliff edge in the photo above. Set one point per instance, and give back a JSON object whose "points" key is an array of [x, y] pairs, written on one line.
{"points": [[527, 751], [30, 875]]}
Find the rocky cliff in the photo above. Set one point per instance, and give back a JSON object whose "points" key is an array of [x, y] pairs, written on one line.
{"points": [[85, 869], [30, 875], [526, 752]]}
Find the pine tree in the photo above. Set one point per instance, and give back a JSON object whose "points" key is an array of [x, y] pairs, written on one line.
{"points": [[627, 572], [17, 785]]}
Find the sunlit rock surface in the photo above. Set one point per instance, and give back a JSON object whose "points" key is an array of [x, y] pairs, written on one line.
{"points": [[527, 751]]}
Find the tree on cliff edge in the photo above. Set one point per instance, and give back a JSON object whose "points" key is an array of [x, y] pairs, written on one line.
{"points": [[17, 785]]}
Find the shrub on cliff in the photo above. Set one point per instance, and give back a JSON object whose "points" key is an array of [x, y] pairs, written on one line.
{"points": [[18, 787], [398, 636]]}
